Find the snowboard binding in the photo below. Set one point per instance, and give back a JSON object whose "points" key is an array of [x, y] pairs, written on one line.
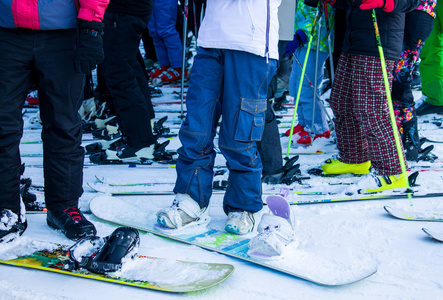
{"points": [[287, 174], [104, 255]]}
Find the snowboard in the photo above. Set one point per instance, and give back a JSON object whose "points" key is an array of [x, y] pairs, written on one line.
{"points": [[414, 215], [143, 271], [438, 236], [334, 273]]}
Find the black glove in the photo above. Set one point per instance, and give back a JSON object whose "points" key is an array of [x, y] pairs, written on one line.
{"points": [[311, 3], [89, 50]]}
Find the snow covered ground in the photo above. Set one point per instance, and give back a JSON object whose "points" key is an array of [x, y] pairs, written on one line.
{"points": [[346, 235]]}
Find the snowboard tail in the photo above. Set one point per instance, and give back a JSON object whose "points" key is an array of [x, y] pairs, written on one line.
{"points": [[56, 261]]}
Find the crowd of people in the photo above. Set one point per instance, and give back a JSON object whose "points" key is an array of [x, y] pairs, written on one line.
{"points": [[235, 76]]}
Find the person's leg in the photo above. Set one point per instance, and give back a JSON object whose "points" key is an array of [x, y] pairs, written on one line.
{"points": [[371, 110], [306, 107], [166, 18], [15, 68], [125, 79], [196, 156], [61, 94], [243, 108], [418, 27], [351, 140], [159, 44]]}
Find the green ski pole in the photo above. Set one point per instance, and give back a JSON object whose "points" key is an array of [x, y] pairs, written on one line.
{"points": [[391, 109]]}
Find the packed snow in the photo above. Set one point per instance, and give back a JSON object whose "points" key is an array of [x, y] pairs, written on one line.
{"points": [[333, 239]]}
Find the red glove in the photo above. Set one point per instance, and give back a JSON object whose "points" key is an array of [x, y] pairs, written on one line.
{"points": [[386, 5], [331, 2]]}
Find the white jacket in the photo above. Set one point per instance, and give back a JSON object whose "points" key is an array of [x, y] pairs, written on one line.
{"points": [[245, 25]]}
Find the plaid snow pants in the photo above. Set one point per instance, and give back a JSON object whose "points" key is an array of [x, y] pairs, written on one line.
{"points": [[362, 122]]}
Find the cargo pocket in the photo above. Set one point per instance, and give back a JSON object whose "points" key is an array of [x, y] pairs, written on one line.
{"points": [[251, 120]]}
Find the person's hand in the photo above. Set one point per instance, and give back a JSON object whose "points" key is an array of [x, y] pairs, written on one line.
{"points": [[386, 5], [89, 50], [299, 39]]}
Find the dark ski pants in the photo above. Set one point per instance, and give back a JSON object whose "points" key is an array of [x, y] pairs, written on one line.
{"points": [[48, 55], [125, 79]]}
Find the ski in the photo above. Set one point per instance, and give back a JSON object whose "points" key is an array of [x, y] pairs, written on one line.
{"points": [[119, 212], [141, 189], [414, 215], [364, 197], [438, 236]]}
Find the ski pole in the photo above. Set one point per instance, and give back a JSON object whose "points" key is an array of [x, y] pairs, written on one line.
{"points": [[185, 33], [317, 53], [391, 109], [318, 95], [328, 33], [317, 16]]}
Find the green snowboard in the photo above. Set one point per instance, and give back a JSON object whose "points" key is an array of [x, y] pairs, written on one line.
{"points": [[143, 271]]}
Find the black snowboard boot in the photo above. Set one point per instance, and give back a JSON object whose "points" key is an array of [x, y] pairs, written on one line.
{"points": [[71, 222]]}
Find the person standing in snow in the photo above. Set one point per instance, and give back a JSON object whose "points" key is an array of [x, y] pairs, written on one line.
{"points": [[168, 46], [234, 65], [358, 97], [127, 84], [418, 27], [304, 20], [60, 44]]}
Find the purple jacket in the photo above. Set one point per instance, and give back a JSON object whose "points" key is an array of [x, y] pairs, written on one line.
{"points": [[49, 14]]}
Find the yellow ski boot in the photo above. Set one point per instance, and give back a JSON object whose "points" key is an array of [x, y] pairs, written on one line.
{"points": [[383, 183], [333, 166]]}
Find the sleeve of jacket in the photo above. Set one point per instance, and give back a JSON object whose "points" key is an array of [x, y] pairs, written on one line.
{"points": [[406, 5], [92, 10]]}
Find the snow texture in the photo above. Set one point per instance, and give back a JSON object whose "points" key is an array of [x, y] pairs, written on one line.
{"points": [[333, 238]]}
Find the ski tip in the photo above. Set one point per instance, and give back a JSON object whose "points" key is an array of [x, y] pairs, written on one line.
{"points": [[387, 208], [425, 230]]}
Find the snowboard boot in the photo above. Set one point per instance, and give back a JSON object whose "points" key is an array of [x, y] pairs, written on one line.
{"points": [[275, 231], [333, 166], [103, 145], [109, 133], [12, 225], [416, 79], [240, 222], [183, 213], [88, 109], [408, 126], [71, 222]]}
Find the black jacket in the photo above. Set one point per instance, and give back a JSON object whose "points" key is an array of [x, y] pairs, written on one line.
{"points": [[130, 7], [360, 33]]}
